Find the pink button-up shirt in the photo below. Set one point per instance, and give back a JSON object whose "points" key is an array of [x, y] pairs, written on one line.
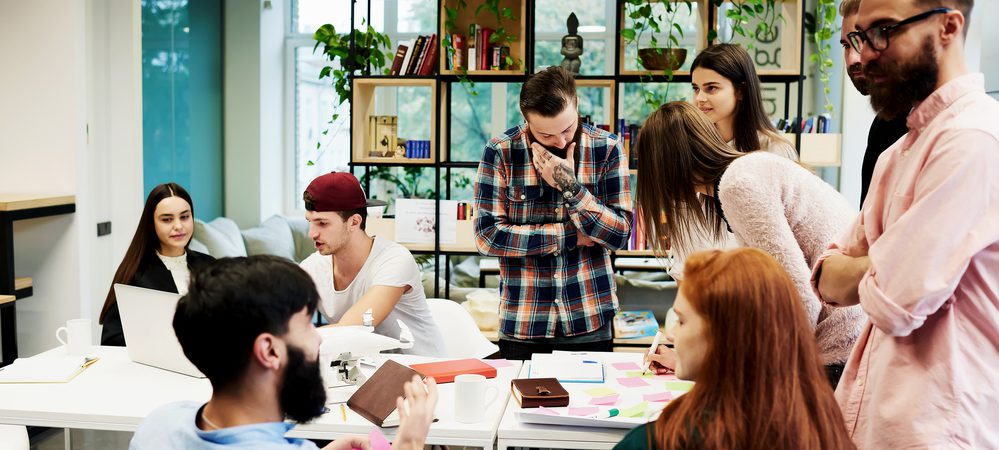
{"points": [[925, 371]]}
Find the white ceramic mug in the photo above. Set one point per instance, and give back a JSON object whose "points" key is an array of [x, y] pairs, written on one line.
{"points": [[78, 337], [470, 402]]}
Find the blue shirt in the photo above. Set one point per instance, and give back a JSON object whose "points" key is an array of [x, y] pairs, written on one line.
{"points": [[174, 426]]}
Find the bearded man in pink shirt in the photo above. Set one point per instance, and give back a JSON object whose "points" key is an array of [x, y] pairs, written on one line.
{"points": [[922, 259]]}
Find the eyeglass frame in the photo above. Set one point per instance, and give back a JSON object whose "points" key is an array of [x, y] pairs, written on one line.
{"points": [[858, 38]]}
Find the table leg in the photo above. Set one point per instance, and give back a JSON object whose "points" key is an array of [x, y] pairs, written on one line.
{"points": [[68, 438]]}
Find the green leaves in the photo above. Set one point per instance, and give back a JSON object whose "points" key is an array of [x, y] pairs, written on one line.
{"points": [[628, 34]]}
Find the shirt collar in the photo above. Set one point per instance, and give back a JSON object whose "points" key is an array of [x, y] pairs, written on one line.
{"points": [[942, 98]]}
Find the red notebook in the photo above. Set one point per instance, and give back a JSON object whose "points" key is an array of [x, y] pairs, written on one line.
{"points": [[445, 371]]}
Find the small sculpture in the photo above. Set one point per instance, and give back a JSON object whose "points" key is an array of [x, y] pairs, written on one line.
{"points": [[572, 45]]}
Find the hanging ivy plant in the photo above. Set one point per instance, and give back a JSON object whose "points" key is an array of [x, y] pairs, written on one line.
{"points": [[824, 22], [500, 37], [644, 18], [745, 12]]}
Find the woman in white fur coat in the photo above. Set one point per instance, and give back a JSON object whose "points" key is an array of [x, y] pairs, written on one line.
{"points": [[766, 201]]}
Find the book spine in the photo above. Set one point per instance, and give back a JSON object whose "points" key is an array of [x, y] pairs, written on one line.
{"points": [[459, 51], [400, 54], [411, 68], [409, 56], [430, 58]]}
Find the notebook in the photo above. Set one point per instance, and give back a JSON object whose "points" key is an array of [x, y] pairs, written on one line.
{"points": [[567, 367], [445, 371], [537, 392], [45, 369], [147, 321], [375, 399]]}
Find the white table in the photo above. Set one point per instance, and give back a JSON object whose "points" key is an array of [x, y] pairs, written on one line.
{"points": [[513, 433], [116, 394]]}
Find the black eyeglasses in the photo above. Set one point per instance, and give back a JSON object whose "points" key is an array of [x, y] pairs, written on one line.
{"points": [[877, 36]]}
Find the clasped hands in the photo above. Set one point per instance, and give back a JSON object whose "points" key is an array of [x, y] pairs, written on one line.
{"points": [[560, 174]]}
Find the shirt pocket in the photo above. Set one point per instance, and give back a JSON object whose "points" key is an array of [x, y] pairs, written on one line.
{"points": [[525, 204]]}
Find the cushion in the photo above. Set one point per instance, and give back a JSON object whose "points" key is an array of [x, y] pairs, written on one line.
{"points": [[304, 245], [220, 237], [272, 237]]}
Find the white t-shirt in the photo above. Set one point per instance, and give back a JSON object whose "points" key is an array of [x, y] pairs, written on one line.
{"points": [[388, 264], [177, 265]]}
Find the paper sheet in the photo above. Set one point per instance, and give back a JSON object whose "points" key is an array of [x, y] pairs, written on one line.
{"points": [[600, 392], [414, 220], [632, 382]]}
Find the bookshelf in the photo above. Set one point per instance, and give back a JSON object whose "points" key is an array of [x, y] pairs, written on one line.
{"points": [[784, 66]]}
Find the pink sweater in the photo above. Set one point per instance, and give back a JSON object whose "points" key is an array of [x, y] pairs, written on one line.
{"points": [[776, 205]]}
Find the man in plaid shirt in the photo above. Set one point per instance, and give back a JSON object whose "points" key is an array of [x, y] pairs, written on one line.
{"points": [[552, 201]]}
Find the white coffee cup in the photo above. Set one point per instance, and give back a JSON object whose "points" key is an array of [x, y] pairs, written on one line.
{"points": [[470, 402], [78, 337]]}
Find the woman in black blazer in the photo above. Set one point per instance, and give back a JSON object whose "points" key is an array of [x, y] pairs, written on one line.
{"points": [[158, 257]]}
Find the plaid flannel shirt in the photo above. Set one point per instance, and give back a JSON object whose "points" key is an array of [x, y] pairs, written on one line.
{"points": [[544, 276]]}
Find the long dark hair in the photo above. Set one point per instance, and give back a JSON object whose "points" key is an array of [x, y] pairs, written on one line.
{"points": [[733, 62], [144, 242], [762, 385], [679, 149]]}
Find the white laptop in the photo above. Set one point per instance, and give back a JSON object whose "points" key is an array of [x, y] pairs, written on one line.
{"points": [[147, 321]]}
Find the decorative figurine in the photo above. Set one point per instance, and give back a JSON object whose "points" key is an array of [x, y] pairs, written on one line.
{"points": [[572, 45]]}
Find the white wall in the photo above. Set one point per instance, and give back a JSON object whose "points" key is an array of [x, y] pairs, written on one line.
{"points": [[253, 109], [55, 84]]}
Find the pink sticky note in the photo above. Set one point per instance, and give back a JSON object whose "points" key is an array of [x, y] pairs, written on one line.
{"points": [[658, 397], [583, 410], [497, 363], [543, 410], [632, 382], [623, 366], [609, 400]]}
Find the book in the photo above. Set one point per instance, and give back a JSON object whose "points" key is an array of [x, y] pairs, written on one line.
{"points": [[485, 48], [537, 392], [558, 417], [400, 55], [409, 55], [635, 324], [458, 42], [375, 399], [567, 367], [417, 49], [445, 371], [430, 57]]}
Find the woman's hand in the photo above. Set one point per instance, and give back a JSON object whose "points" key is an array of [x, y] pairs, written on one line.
{"points": [[663, 361]]}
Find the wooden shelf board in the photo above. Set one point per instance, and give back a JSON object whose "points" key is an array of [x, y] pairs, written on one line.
{"points": [[633, 253], [396, 81], [394, 161], [22, 283], [655, 73], [17, 202], [486, 73], [7, 299]]}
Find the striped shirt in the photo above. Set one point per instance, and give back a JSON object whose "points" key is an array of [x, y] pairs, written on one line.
{"points": [[545, 278]]}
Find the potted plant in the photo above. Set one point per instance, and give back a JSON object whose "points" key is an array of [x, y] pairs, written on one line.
{"points": [[645, 17], [356, 53]]}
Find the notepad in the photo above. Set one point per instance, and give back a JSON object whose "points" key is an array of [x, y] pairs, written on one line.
{"points": [[45, 369], [567, 368]]}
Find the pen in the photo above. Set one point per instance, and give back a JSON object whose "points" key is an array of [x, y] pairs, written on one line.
{"points": [[652, 351], [606, 414], [343, 412]]}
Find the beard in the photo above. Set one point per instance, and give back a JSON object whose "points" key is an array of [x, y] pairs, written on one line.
{"points": [[856, 73], [904, 84], [558, 151], [303, 394]]}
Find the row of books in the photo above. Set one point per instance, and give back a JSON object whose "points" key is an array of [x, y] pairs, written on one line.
{"points": [[638, 239], [814, 124], [416, 57], [627, 132], [477, 52], [419, 149]]}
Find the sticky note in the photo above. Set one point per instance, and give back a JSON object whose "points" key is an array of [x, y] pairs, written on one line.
{"points": [[583, 410], [498, 363], [664, 396], [638, 374], [679, 385], [600, 392], [609, 400], [632, 382], [635, 411], [550, 412], [626, 366]]}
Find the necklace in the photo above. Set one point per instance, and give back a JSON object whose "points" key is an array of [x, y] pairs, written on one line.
{"points": [[209, 422]]}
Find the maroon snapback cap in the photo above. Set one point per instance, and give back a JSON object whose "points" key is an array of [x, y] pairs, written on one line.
{"points": [[338, 191]]}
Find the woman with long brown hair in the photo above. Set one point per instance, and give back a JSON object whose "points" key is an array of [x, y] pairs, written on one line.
{"points": [[745, 340], [689, 175], [158, 257]]}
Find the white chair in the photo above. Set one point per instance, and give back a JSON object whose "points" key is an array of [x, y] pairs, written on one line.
{"points": [[462, 338], [14, 437]]}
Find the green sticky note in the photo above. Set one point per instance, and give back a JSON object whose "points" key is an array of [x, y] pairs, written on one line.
{"points": [[679, 385], [635, 411], [600, 392], [638, 374]]}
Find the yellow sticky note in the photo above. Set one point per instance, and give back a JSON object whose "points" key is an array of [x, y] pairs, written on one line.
{"points": [[639, 374], [600, 392], [635, 411], [679, 385]]}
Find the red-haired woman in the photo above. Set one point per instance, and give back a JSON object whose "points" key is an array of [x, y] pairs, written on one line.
{"points": [[745, 340]]}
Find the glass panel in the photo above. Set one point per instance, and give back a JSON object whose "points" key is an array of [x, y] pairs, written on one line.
{"points": [[414, 106], [471, 121], [389, 183], [309, 15], [765, 47], [593, 103], [550, 15], [548, 53], [313, 110], [417, 16], [632, 103], [462, 182], [689, 22]]}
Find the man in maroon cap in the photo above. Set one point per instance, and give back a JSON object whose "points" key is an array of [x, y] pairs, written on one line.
{"points": [[355, 272]]}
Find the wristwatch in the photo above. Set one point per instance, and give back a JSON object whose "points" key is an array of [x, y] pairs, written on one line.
{"points": [[571, 192]]}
